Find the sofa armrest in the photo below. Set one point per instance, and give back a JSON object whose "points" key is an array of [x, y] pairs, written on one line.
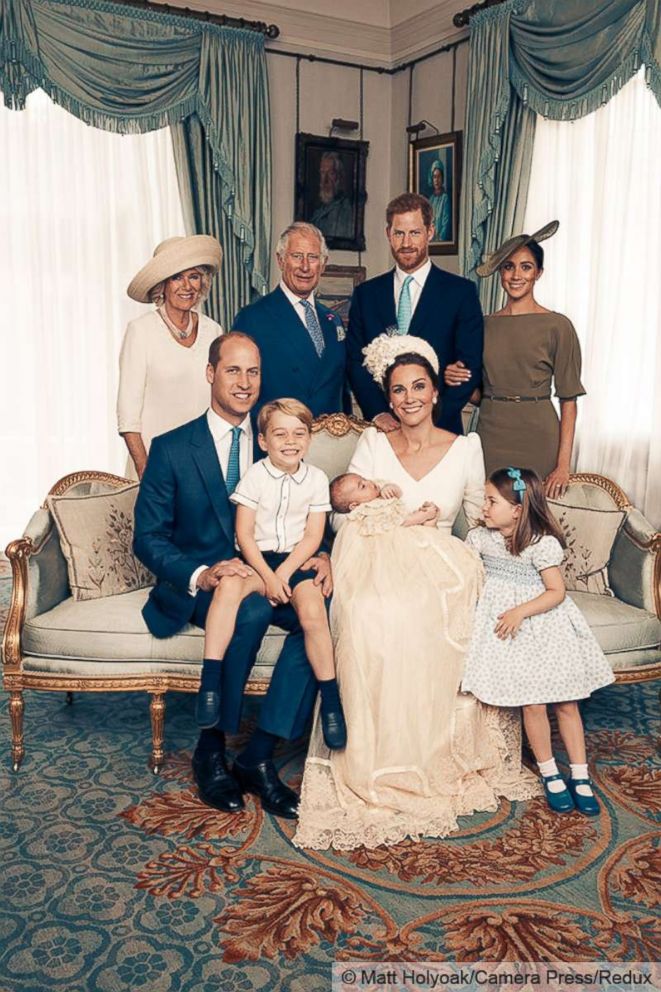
{"points": [[634, 571], [48, 580], [39, 582]]}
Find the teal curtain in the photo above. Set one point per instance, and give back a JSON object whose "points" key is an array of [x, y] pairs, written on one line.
{"points": [[128, 70], [528, 57]]}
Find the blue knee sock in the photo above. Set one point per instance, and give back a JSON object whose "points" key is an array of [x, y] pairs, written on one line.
{"points": [[330, 694], [259, 748], [211, 675], [211, 739]]}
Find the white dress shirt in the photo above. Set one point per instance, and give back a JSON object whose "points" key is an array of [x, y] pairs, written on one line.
{"points": [[282, 502], [296, 302], [415, 286], [221, 432]]}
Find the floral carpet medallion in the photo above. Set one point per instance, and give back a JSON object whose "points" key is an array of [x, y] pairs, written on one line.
{"points": [[117, 881]]}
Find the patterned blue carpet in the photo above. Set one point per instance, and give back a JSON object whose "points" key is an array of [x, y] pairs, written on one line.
{"points": [[115, 880]]}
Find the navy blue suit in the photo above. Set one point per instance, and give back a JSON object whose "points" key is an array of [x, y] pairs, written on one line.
{"points": [[184, 519], [447, 315], [290, 364]]}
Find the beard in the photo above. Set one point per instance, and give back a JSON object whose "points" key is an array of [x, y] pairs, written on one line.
{"points": [[409, 259], [327, 191]]}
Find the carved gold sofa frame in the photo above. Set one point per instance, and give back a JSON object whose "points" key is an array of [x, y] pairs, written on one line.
{"points": [[42, 613]]}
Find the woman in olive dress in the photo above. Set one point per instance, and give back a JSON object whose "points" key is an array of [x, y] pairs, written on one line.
{"points": [[527, 348]]}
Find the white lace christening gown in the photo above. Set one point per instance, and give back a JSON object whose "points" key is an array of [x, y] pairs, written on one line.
{"points": [[419, 754]]}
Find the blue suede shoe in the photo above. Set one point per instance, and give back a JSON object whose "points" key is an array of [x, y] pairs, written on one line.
{"points": [[587, 805], [560, 802]]}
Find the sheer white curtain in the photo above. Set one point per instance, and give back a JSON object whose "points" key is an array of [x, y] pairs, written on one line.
{"points": [[81, 211], [600, 177]]}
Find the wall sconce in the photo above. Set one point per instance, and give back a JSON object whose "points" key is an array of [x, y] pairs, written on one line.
{"points": [[413, 130], [340, 124]]}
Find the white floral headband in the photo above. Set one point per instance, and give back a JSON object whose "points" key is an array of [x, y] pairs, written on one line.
{"points": [[382, 352]]}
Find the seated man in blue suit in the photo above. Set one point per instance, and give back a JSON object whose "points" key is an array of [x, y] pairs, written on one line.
{"points": [[184, 533], [301, 341], [416, 298]]}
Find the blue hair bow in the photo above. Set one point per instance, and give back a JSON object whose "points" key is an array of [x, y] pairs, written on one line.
{"points": [[518, 485]]}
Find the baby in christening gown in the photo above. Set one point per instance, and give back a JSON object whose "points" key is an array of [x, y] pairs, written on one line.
{"points": [[401, 617], [351, 490], [376, 510]]}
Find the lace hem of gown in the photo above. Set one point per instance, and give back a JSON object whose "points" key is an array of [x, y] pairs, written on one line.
{"points": [[325, 822]]}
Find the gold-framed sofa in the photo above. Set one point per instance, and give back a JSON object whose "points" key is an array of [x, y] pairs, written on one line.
{"points": [[52, 642]]}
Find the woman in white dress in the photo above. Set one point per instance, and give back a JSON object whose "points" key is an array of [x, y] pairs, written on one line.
{"points": [[419, 754], [162, 364]]}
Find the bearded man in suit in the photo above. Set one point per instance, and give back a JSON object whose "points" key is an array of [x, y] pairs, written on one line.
{"points": [[416, 298], [302, 342]]}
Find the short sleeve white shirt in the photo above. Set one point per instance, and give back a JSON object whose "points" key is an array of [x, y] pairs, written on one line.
{"points": [[282, 502]]}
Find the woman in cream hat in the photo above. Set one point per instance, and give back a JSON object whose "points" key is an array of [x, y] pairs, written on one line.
{"points": [[526, 349], [162, 363]]}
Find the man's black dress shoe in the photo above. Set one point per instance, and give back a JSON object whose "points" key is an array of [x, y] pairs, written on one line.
{"points": [[262, 780], [334, 729], [216, 785], [207, 709]]}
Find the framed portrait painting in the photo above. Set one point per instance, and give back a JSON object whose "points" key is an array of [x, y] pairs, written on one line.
{"points": [[435, 171], [330, 188]]}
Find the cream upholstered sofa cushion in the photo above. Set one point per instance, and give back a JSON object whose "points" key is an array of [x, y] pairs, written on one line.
{"points": [[620, 629], [110, 633], [96, 536], [590, 534]]}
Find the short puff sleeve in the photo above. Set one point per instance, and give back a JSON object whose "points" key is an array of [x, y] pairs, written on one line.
{"points": [[475, 539], [546, 553], [567, 362]]}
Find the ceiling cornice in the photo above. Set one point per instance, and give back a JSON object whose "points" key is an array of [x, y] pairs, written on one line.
{"points": [[344, 37]]}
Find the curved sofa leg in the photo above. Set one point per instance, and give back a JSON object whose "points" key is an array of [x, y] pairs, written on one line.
{"points": [[16, 708], [157, 714]]}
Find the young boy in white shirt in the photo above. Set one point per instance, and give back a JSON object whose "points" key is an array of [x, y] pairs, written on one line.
{"points": [[281, 514]]}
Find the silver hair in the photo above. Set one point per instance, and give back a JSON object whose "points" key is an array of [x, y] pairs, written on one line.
{"points": [[301, 226], [157, 292]]}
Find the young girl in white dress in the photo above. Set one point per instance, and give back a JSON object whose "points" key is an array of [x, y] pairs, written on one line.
{"points": [[531, 645]]}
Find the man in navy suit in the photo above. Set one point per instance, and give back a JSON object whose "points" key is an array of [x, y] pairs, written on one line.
{"points": [[184, 533], [301, 341], [416, 298]]}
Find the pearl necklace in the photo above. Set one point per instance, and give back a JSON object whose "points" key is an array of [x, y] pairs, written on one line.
{"points": [[177, 332]]}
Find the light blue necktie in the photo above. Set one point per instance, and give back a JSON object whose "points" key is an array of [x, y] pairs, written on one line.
{"points": [[404, 308], [312, 324], [233, 466]]}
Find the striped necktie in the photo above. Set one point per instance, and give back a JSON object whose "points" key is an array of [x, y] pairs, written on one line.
{"points": [[312, 324], [404, 308], [233, 466]]}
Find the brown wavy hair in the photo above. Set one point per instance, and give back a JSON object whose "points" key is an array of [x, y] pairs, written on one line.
{"points": [[536, 518]]}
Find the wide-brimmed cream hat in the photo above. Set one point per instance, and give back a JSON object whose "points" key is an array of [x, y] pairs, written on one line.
{"points": [[172, 256], [493, 261]]}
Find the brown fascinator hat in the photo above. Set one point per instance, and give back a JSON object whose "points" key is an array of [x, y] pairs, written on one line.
{"points": [[494, 261], [172, 256]]}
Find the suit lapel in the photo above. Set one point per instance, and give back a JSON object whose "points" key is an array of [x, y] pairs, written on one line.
{"points": [[385, 301], [427, 308], [295, 336], [206, 459]]}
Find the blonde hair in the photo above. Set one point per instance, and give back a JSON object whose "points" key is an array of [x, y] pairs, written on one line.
{"points": [[157, 292], [288, 406]]}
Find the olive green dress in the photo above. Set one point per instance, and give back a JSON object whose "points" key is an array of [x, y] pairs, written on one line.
{"points": [[522, 354]]}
